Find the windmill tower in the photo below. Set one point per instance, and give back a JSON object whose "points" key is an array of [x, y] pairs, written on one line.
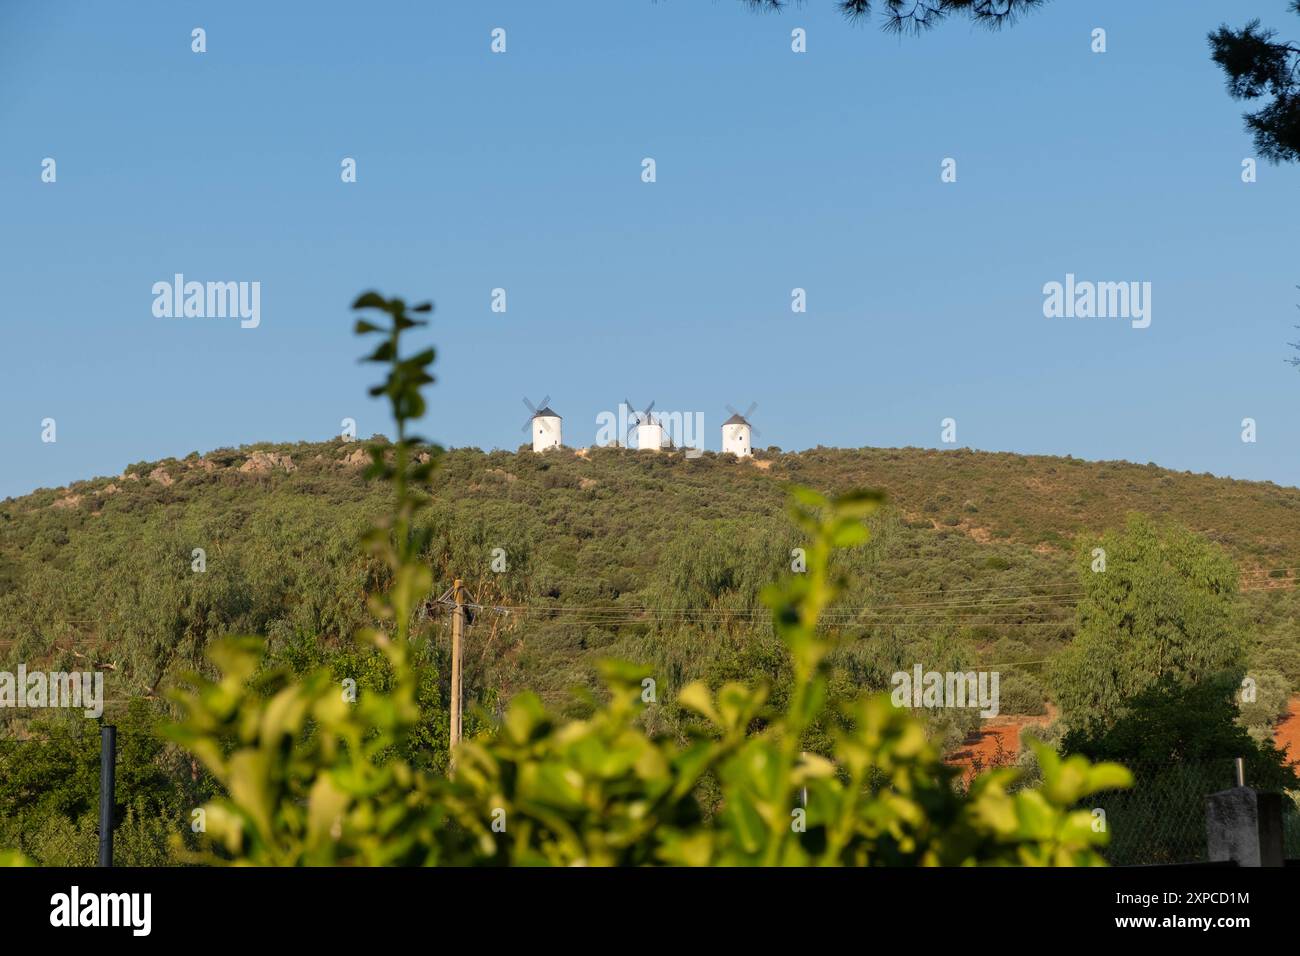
{"points": [[545, 424], [649, 433], [737, 432]]}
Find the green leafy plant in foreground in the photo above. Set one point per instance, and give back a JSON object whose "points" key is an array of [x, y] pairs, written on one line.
{"points": [[311, 778]]}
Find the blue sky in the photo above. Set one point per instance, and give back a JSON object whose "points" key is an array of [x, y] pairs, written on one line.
{"points": [[523, 171]]}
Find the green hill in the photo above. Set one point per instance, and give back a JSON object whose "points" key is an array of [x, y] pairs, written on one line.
{"points": [[657, 558]]}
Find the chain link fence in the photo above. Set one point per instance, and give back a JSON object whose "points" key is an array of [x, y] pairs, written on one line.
{"points": [[1161, 819]]}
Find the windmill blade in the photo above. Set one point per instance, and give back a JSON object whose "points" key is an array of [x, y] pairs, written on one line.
{"points": [[754, 432], [631, 409], [647, 412], [533, 409]]}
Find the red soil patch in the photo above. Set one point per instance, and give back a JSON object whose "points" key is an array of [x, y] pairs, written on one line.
{"points": [[997, 742], [1287, 735]]}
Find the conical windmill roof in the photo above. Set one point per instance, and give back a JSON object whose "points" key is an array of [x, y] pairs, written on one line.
{"points": [[737, 419], [546, 412]]}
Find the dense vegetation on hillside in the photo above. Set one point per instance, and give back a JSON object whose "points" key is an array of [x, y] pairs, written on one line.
{"points": [[655, 558]]}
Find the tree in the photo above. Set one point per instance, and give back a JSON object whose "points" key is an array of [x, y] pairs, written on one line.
{"points": [[1158, 602], [1170, 722], [1179, 740], [913, 16], [1258, 67]]}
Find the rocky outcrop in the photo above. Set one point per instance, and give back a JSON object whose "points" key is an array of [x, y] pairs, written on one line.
{"points": [[264, 462]]}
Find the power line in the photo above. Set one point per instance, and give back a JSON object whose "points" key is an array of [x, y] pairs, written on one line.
{"points": [[1036, 598]]}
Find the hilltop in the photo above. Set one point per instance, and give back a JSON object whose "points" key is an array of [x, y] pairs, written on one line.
{"points": [[658, 558]]}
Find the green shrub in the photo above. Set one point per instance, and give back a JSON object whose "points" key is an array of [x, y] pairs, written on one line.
{"points": [[1021, 693]]}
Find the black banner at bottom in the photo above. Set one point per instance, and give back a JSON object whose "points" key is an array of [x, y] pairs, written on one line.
{"points": [[227, 907]]}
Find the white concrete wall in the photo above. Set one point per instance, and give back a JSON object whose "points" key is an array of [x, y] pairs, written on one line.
{"points": [[546, 433], [735, 440], [649, 437]]}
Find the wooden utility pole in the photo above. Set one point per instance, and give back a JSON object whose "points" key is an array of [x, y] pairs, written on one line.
{"points": [[457, 633]]}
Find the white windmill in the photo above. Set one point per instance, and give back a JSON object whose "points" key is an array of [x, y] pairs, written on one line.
{"points": [[649, 433], [545, 424], [737, 433]]}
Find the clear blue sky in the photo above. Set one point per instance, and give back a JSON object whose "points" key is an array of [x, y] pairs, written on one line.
{"points": [[522, 171]]}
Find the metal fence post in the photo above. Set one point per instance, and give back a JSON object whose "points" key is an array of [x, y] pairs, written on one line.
{"points": [[107, 766]]}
